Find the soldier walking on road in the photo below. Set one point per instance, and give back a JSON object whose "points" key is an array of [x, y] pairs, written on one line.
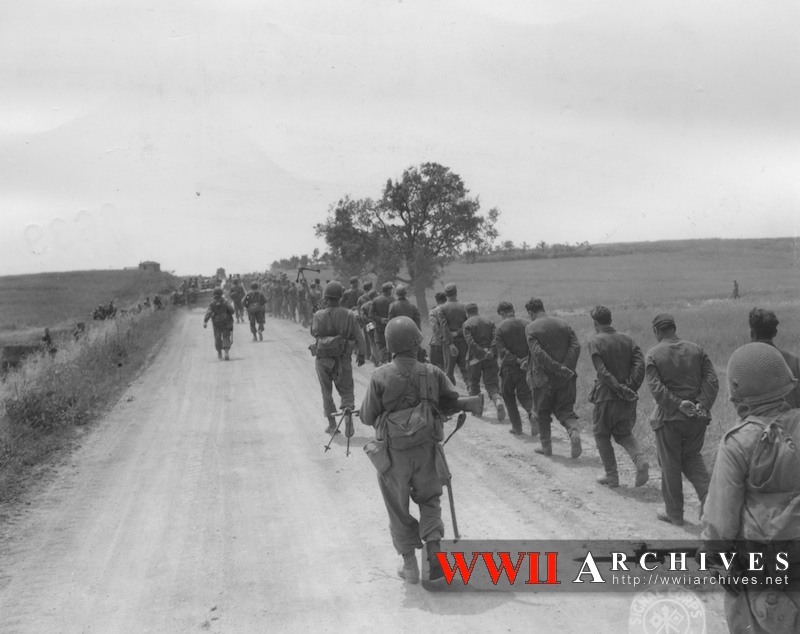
{"points": [[454, 345], [337, 332], [410, 445], [482, 357], [763, 329], [237, 294], [256, 304], [379, 314], [351, 295], [220, 313], [554, 351], [512, 352], [435, 320], [401, 307], [752, 504], [683, 383], [619, 364]]}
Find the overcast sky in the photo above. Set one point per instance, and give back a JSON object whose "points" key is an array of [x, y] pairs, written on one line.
{"points": [[206, 133]]}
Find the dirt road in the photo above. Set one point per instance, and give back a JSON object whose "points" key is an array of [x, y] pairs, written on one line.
{"points": [[205, 502]]}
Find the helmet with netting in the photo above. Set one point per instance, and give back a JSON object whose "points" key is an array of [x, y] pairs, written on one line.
{"points": [[757, 373], [402, 334]]}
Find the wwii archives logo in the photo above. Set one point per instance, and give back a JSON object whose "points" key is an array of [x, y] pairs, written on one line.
{"points": [[667, 610]]}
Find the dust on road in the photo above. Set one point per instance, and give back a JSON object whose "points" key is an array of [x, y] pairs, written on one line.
{"points": [[204, 502]]}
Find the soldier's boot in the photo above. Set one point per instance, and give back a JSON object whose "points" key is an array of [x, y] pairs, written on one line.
{"points": [[436, 579], [501, 410], [409, 570], [575, 442], [642, 474], [610, 480], [227, 357], [254, 337], [331, 429], [631, 445], [261, 335], [219, 354], [546, 448]]}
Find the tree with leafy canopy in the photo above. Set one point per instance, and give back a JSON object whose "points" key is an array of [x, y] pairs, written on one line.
{"points": [[423, 221]]}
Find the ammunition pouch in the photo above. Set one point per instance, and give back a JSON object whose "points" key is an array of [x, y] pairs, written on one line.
{"points": [[330, 347], [378, 453]]}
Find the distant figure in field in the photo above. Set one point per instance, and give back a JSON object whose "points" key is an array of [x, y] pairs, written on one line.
{"points": [[763, 328], [735, 290], [80, 330], [157, 304], [47, 341]]}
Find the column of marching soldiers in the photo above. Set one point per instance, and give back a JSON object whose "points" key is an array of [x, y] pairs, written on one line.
{"points": [[533, 362]]}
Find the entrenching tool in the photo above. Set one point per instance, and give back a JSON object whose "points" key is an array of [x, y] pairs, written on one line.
{"points": [[347, 416]]}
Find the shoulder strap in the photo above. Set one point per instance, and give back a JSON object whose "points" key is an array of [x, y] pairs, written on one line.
{"points": [[423, 383]]}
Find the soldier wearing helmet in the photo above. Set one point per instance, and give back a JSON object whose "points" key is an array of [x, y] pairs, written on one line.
{"points": [[401, 307], [220, 313], [338, 333], [256, 304], [379, 315], [684, 385], [753, 502], [397, 388]]}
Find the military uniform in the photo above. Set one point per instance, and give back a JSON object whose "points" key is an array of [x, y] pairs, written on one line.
{"points": [[379, 315], [512, 352], [453, 317], [237, 295], [482, 356], [435, 321], [335, 367], [619, 364], [552, 345], [256, 304], [221, 314], [793, 361], [752, 503], [351, 295], [401, 307], [676, 371]]}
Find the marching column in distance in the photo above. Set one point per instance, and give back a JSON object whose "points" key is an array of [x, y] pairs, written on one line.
{"points": [[337, 332], [554, 351], [512, 352], [220, 313], [619, 364], [684, 385], [482, 357]]}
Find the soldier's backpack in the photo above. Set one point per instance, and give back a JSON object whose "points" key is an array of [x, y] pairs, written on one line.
{"points": [[412, 426], [219, 314]]}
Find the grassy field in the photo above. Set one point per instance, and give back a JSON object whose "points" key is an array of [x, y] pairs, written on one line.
{"points": [[29, 303], [691, 279]]}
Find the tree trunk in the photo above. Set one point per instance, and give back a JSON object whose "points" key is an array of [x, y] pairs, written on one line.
{"points": [[422, 302]]}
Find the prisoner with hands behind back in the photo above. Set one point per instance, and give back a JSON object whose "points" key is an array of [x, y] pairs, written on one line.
{"points": [[256, 304], [401, 307], [379, 314], [454, 346], [435, 320], [482, 357], [684, 385], [553, 355], [619, 364], [512, 353]]}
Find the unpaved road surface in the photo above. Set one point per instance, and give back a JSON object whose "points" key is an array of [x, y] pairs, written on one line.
{"points": [[204, 502]]}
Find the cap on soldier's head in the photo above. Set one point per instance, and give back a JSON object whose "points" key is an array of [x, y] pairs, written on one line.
{"points": [[368, 285], [333, 290], [505, 307], [472, 307], [757, 373], [236, 280], [402, 334], [601, 315], [373, 294], [387, 286], [217, 292], [400, 291], [450, 290], [663, 319], [254, 285], [354, 280]]}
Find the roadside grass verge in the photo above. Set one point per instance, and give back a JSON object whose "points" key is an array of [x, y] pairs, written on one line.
{"points": [[48, 399]]}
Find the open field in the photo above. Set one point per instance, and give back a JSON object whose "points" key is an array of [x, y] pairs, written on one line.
{"points": [[31, 303], [694, 281]]}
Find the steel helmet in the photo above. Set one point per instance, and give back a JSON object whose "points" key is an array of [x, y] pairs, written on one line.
{"points": [[218, 292], [333, 290], [757, 373], [254, 285], [402, 334]]}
